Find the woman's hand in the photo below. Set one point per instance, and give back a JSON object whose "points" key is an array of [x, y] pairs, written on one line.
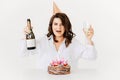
{"points": [[89, 34], [27, 30]]}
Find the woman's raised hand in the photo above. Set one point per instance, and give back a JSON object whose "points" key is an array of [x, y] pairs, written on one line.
{"points": [[27, 30], [89, 33]]}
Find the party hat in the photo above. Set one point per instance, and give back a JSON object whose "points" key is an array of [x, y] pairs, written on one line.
{"points": [[55, 8]]}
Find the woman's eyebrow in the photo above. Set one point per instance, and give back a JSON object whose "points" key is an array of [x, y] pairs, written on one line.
{"points": [[55, 23]]}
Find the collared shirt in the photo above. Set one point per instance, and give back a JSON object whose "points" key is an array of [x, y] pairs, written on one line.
{"points": [[47, 52]]}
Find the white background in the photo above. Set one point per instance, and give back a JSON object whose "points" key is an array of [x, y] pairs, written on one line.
{"points": [[104, 15]]}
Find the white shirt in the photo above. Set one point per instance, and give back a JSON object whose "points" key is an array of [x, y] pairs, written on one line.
{"points": [[47, 52]]}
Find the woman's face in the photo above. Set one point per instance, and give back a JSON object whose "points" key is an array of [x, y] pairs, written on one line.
{"points": [[58, 28]]}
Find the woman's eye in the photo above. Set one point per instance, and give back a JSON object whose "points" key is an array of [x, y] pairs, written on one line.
{"points": [[55, 23]]}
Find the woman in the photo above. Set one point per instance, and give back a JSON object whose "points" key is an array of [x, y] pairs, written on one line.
{"points": [[60, 43]]}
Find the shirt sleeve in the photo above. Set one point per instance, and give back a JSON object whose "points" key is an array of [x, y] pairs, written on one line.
{"points": [[84, 51], [89, 52]]}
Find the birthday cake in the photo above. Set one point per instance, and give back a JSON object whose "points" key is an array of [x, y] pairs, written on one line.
{"points": [[59, 67]]}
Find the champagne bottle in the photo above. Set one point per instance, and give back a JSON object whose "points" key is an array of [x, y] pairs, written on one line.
{"points": [[30, 37]]}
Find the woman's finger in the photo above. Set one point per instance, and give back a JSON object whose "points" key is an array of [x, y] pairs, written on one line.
{"points": [[84, 31]]}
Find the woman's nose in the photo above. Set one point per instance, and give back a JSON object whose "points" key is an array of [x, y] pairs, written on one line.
{"points": [[59, 26]]}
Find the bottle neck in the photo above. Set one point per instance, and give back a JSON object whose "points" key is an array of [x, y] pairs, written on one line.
{"points": [[29, 25]]}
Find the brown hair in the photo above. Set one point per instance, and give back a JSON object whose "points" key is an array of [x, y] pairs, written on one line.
{"points": [[68, 34]]}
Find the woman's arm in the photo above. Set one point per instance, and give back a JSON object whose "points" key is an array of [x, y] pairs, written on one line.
{"points": [[23, 45], [25, 52], [87, 51]]}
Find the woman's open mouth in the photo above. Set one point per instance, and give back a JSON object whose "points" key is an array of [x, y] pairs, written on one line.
{"points": [[58, 31]]}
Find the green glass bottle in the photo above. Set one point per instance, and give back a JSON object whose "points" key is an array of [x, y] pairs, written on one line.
{"points": [[30, 37]]}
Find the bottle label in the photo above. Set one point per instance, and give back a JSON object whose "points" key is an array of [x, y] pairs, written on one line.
{"points": [[30, 43]]}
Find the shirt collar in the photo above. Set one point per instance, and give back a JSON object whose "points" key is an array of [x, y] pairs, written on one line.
{"points": [[51, 40]]}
